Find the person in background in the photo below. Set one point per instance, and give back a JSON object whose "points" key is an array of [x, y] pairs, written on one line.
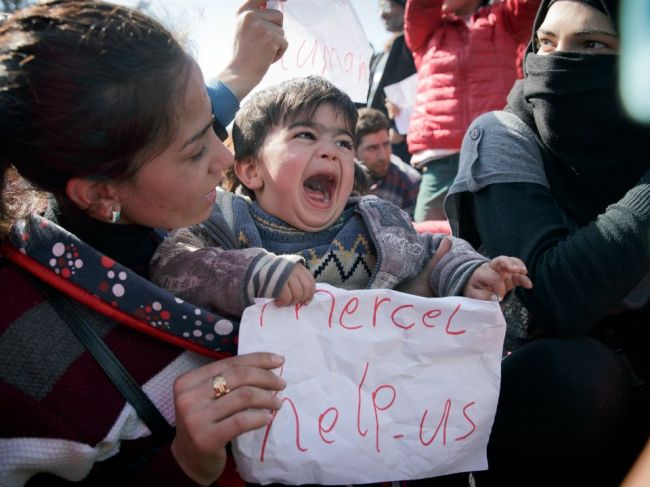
{"points": [[560, 180], [467, 60], [390, 178], [106, 133], [392, 65]]}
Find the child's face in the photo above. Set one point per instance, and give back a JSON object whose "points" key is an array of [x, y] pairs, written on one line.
{"points": [[305, 170], [577, 27]]}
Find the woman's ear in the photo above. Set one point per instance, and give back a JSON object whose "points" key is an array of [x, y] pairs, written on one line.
{"points": [[248, 172], [96, 198]]}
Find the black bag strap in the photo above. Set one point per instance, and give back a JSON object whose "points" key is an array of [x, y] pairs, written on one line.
{"points": [[116, 372]]}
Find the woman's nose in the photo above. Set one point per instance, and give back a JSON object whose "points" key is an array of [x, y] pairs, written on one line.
{"points": [[221, 158]]}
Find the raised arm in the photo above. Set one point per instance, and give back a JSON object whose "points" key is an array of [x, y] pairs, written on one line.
{"points": [[421, 19], [518, 16], [259, 42]]}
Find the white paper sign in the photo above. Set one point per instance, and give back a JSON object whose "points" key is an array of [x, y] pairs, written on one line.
{"points": [[325, 39], [402, 94], [382, 386]]}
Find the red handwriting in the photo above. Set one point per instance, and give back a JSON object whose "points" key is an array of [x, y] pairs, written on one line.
{"points": [[383, 398], [268, 428], [353, 316], [363, 378], [322, 430], [444, 418], [324, 58], [377, 407]]}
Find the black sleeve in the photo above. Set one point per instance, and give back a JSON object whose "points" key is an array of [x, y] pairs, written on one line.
{"points": [[579, 275]]}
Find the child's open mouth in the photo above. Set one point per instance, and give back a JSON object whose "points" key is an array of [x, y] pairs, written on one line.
{"points": [[319, 189]]}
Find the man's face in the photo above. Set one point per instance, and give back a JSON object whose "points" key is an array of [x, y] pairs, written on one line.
{"points": [[374, 152], [392, 14]]}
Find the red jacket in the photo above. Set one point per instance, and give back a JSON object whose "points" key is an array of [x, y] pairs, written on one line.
{"points": [[464, 71]]}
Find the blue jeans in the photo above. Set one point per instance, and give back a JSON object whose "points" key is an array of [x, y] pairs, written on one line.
{"points": [[437, 176]]}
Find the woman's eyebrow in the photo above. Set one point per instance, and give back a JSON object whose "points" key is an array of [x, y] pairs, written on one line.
{"points": [[580, 33], [591, 32], [197, 135], [545, 32]]}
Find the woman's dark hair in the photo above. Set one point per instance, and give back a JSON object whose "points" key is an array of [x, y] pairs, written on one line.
{"points": [[278, 105], [87, 89]]}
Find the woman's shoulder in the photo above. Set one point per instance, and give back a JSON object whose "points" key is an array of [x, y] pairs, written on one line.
{"points": [[499, 147]]}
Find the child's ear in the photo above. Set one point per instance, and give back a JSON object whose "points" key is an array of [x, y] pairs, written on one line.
{"points": [[247, 171]]}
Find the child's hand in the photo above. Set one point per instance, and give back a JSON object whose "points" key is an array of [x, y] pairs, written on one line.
{"points": [[492, 280], [300, 287]]}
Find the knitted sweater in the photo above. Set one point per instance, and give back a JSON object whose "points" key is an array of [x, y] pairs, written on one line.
{"points": [[372, 245]]}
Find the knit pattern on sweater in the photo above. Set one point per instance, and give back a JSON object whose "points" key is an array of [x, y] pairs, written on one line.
{"points": [[341, 255]]}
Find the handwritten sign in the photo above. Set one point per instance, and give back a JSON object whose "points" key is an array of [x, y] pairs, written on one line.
{"points": [[382, 386], [328, 41]]}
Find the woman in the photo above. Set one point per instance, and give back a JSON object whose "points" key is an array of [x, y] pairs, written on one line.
{"points": [[560, 180], [103, 110]]}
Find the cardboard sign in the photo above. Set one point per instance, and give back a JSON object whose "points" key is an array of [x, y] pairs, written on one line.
{"points": [[325, 39], [382, 386]]}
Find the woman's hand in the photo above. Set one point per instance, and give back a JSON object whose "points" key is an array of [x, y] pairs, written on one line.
{"points": [[205, 423], [259, 42]]}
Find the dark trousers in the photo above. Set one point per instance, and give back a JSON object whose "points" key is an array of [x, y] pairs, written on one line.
{"points": [[561, 417]]}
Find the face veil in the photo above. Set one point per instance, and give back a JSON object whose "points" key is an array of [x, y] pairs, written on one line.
{"points": [[590, 146]]}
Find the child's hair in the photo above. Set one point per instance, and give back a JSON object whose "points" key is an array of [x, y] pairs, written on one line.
{"points": [[370, 121], [87, 89], [280, 104]]}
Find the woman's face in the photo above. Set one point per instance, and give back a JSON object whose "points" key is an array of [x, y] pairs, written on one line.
{"points": [[577, 27], [177, 187]]}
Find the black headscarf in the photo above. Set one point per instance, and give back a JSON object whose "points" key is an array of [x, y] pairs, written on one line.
{"points": [[593, 152]]}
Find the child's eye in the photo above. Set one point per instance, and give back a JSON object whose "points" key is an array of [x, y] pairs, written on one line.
{"points": [[305, 135], [345, 144], [199, 154]]}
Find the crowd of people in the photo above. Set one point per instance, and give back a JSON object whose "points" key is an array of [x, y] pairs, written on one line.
{"points": [[113, 169]]}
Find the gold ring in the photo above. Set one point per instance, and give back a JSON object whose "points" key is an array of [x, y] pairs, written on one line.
{"points": [[219, 386]]}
